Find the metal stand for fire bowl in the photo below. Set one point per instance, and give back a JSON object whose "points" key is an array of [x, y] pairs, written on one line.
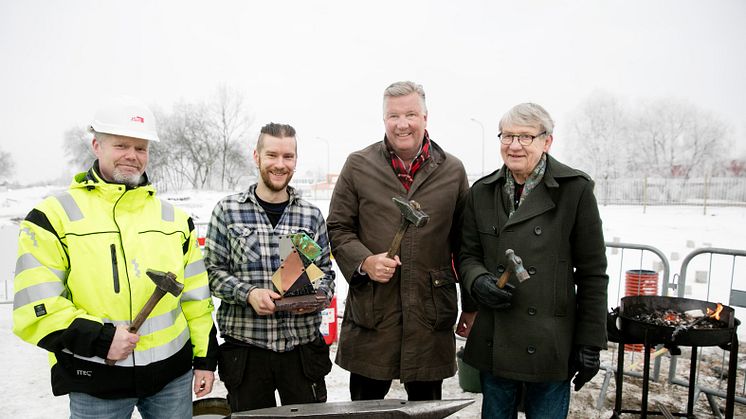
{"points": [[652, 336]]}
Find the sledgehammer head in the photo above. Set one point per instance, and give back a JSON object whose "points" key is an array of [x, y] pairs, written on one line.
{"points": [[520, 271], [166, 282], [410, 211]]}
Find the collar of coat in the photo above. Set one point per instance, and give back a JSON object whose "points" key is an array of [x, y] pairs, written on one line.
{"points": [[437, 155], [555, 170], [250, 195]]}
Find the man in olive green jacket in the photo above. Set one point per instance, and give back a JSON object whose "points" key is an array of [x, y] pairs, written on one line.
{"points": [[400, 312], [541, 331]]}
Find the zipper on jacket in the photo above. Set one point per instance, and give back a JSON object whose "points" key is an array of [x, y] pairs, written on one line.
{"points": [[114, 267]]}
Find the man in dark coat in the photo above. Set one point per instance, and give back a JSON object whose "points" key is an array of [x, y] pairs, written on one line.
{"points": [[400, 312], [539, 332]]}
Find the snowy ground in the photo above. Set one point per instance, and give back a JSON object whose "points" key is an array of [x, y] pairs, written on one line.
{"points": [[676, 231]]}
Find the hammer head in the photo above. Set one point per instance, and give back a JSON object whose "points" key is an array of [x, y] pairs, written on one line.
{"points": [[517, 262], [166, 282], [411, 212]]}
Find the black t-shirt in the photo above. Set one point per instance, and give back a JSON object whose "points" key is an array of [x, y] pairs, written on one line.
{"points": [[274, 210]]}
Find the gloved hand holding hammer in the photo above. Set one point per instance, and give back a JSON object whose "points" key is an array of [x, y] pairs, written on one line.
{"points": [[486, 292], [497, 293]]}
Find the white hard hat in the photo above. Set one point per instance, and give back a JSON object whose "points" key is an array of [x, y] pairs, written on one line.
{"points": [[126, 116]]}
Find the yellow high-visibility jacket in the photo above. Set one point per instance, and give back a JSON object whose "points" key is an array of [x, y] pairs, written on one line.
{"points": [[82, 258]]}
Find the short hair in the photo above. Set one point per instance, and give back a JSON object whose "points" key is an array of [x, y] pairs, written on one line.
{"points": [[404, 88], [100, 136], [275, 130], [529, 115]]}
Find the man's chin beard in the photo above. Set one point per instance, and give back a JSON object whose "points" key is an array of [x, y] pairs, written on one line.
{"points": [[128, 180], [274, 186]]}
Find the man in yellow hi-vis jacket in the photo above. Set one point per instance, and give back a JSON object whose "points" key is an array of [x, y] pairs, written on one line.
{"points": [[81, 279]]}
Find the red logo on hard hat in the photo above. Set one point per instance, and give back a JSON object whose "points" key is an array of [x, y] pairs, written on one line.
{"points": [[137, 119]]}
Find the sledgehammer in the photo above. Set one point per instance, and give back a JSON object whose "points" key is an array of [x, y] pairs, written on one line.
{"points": [[165, 282]]}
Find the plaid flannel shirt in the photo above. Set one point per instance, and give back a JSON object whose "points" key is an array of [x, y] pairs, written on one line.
{"points": [[242, 252]]}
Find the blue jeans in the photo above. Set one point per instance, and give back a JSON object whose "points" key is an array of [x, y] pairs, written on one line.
{"points": [[173, 402], [547, 400]]}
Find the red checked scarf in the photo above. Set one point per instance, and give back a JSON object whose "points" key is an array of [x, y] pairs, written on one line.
{"points": [[406, 177]]}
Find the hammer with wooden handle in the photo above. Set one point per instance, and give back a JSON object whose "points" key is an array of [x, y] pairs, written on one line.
{"points": [[410, 214], [165, 282], [516, 266]]}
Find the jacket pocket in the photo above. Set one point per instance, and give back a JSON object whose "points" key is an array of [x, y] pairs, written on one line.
{"points": [[361, 306], [231, 364], [244, 244], [442, 308]]}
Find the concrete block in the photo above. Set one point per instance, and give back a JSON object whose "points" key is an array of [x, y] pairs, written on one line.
{"points": [[675, 256], [690, 244]]}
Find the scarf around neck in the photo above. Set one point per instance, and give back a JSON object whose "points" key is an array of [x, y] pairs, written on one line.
{"points": [[533, 179], [406, 177]]}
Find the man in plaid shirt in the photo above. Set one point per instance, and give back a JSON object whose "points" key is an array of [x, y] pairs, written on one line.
{"points": [[265, 349]]}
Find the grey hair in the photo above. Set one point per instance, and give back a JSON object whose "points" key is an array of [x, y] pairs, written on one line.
{"points": [[528, 115], [404, 88], [100, 136]]}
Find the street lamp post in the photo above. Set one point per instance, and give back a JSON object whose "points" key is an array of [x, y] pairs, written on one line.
{"points": [[326, 175], [482, 127]]}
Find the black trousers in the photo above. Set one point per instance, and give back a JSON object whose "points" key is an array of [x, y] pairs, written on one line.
{"points": [[251, 376], [364, 388]]}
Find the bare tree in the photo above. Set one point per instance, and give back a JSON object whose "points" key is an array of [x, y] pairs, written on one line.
{"points": [[238, 165], [599, 134], [678, 139], [77, 148], [6, 165], [664, 137], [192, 149], [231, 123]]}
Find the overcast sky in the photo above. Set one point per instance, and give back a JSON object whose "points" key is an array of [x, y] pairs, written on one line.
{"points": [[322, 65]]}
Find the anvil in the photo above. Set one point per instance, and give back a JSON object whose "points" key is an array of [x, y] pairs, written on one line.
{"points": [[368, 409]]}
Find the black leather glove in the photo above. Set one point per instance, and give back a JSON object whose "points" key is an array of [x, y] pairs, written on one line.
{"points": [[485, 292], [586, 363]]}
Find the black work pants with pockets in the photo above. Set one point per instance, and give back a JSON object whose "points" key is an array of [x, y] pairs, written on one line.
{"points": [[251, 374]]}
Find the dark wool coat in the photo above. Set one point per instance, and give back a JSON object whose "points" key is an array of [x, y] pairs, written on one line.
{"points": [[557, 232], [402, 329]]}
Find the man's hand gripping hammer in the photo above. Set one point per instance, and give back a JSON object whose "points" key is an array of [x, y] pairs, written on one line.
{"points": [[165, 282]]}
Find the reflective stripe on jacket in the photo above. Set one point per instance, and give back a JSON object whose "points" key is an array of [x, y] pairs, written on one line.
{"points": [[81, 269]]}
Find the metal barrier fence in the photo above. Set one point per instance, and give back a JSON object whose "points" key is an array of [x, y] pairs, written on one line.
{"points": [[618, 265], [712, 386], [704, 192]]}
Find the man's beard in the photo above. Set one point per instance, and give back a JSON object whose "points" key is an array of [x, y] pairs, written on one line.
{"points": [[133, 180], [273, 186]]}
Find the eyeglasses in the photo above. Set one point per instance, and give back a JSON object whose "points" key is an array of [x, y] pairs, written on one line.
{"points": [[523, 139]]}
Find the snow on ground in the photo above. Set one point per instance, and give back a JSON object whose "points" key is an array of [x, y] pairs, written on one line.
{"points": [[675, 231]]}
